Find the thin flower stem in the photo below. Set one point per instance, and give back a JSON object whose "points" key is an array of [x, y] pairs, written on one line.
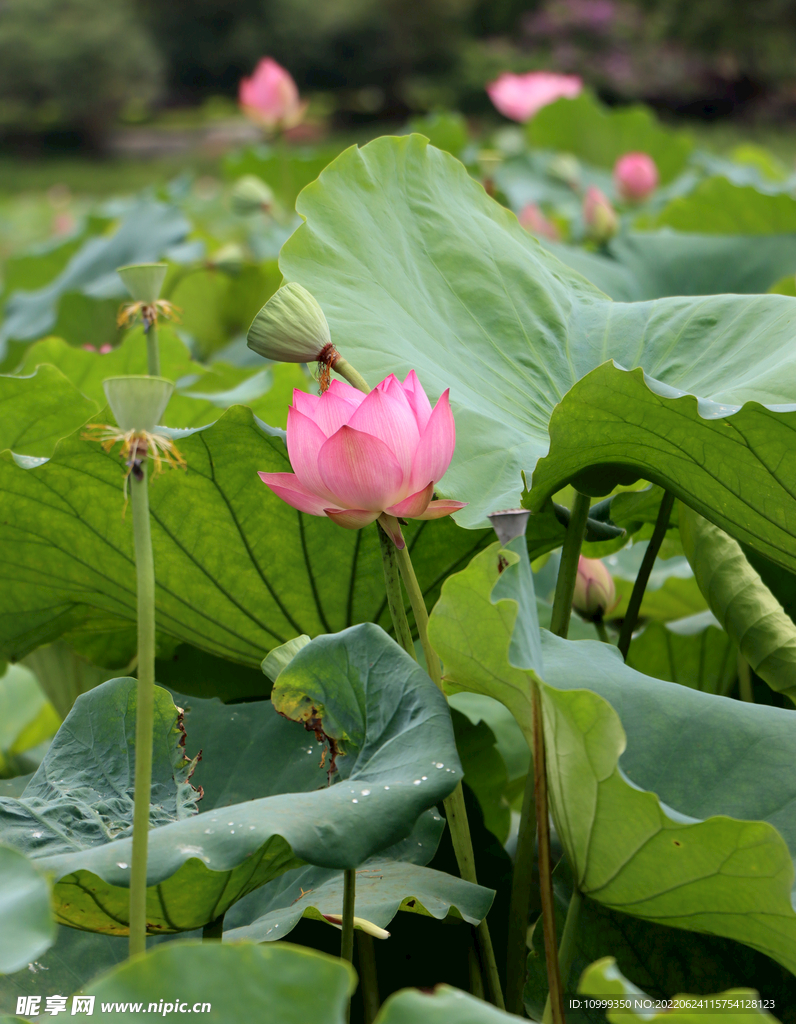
{"points": [[555, 988], [455, 809], [152, 351], [602, 632], [395, 597], [368, 977], [345, 369], [745, 687], [145, 573], [347, 938], [637, 596], [568, 569], [519, 909], [566, 951]]}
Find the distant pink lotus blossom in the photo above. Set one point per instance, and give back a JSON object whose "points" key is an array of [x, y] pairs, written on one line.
{"points": [[270, 97], [521, 96], [635, 176], [599, 216], [533, 220], [103, 349], [357, 458]]}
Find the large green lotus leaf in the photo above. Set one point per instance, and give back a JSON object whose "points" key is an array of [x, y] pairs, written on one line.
{"points": [[694, 651], [416, 267], [396, 880], [658, 959], [368, 699], [443, 1005], [718, 207], [602, 980], [600, 135], [27, 719], [238, 570], [615, 425], [696, 828], [148, 229], [28, 925], [281, 984], [37, 411], [740, 600]]}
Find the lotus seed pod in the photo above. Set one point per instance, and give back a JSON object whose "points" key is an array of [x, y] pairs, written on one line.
{"points": [[509, 523], [290, 328], [250, 194], [143, 280], [138, 402], [595, 592]]}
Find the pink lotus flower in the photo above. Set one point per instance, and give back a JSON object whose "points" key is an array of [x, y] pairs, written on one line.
{"points": [[270, 97], [521, 96], [357, 458], [635, 176], [599, 216], [595, 592], [103, 349], [533, 220]]}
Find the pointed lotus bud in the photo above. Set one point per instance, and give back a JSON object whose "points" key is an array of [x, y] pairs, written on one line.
{"points": [[635, 176], [595, 593], [290, 328], [509, 523], [280, 657], [251, 194], [599, 216], [229, 259], [143, 280], [138, 402], [359, 922]]}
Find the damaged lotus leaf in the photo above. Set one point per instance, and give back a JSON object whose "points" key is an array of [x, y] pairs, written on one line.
{"points": [[415, 267], [74, 818], [672, 805]]}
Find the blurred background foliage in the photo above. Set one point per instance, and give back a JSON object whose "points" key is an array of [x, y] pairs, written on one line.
{"points": [[366, 60]]}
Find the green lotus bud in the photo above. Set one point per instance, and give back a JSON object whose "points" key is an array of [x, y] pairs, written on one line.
{"points": [[229, 259], [138, 402], [595, 591], [290, 328], [143, 280], [280, 657], [251, 194]]}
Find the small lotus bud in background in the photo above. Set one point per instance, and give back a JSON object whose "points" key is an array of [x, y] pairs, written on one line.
{"points": [[144, 280], [565, 167], [599, 216], [290, 328], [521, 96], [635, 177], [229, 259], [250, 194], [595, 593], [137, 402], [271, 97], [533, 220]]}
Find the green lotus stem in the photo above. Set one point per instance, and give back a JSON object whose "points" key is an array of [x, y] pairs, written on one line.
{"points": [[455, 809], [745, 687], [637, 596], [566, 951], [474, 970], [345, 369], [395, 597], [368, 977], [213, 931], [554, 1010], [349, 898], [568, 569], [520, 905], [602, 632], [145, 578], [152, 350]]}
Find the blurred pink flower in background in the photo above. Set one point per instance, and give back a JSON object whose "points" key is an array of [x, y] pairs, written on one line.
{"points": [[635, 176], [595, 591], [357, 458], [533, 220], [271, 97], [599, 216], [103, 349], [521, 96]]}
